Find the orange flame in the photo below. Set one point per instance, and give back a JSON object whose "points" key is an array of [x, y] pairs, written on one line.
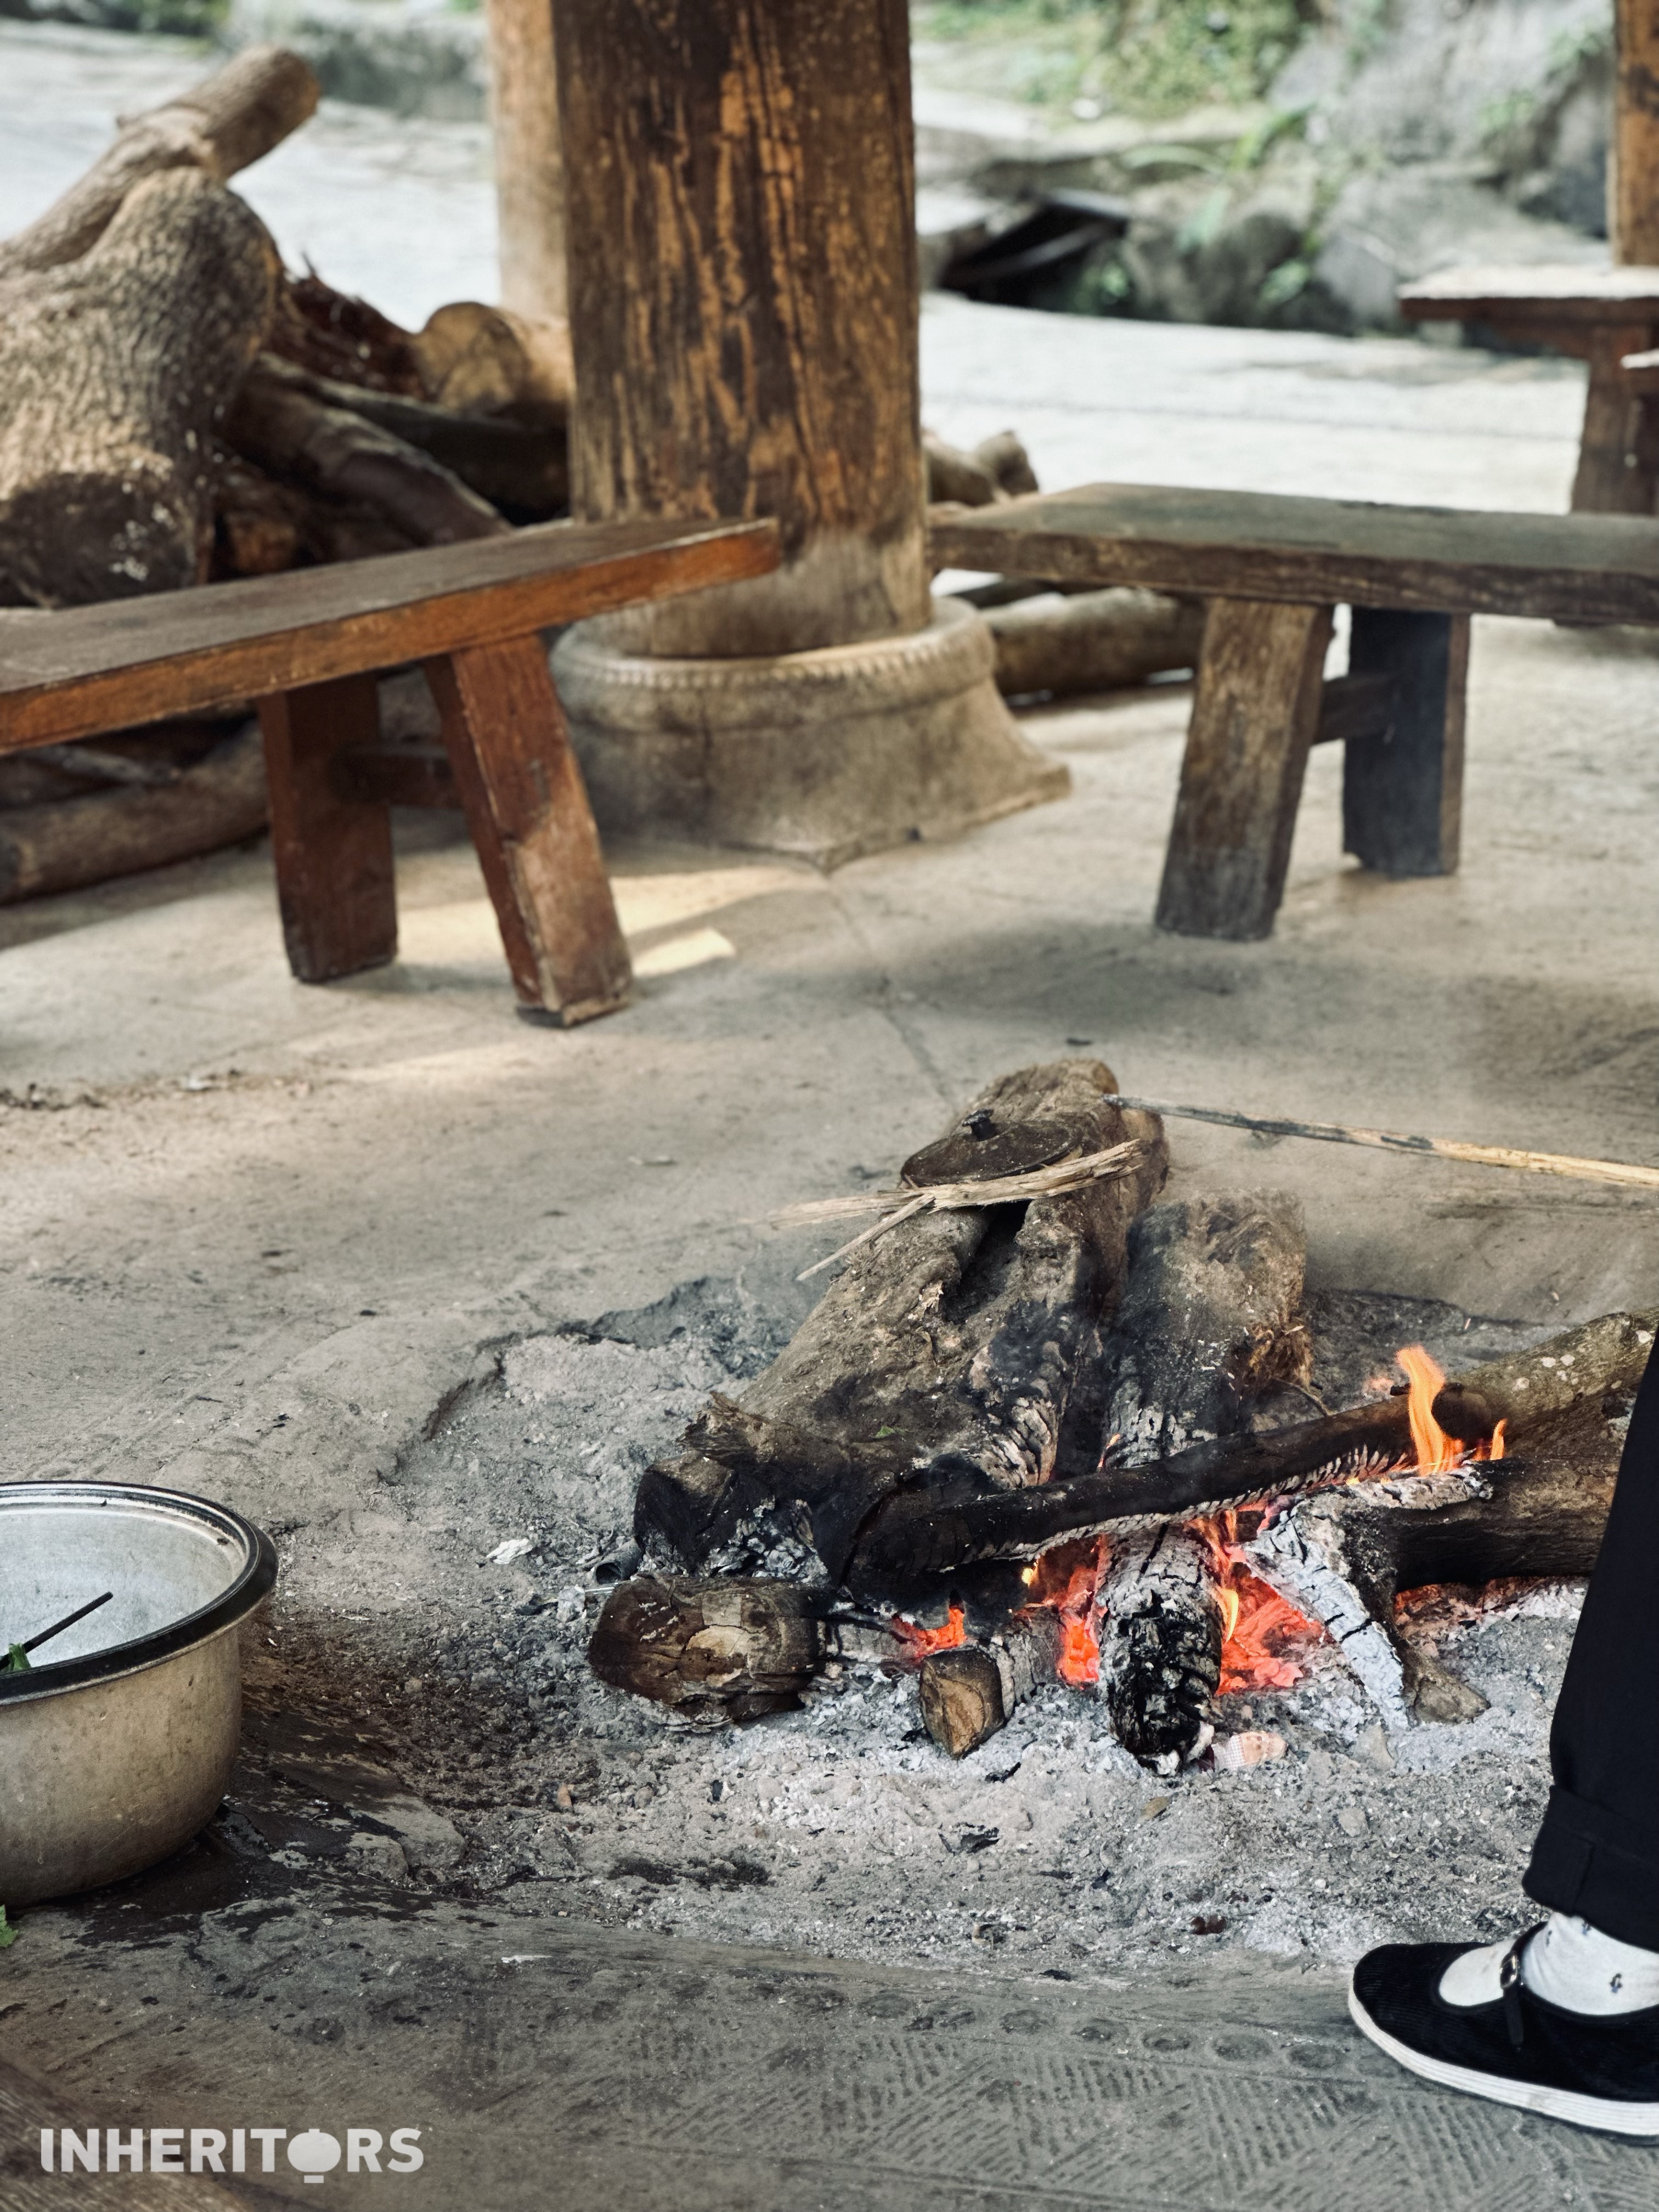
{"points": [[1072, 1585], [951, 1632], [1433, 1451], [1260, 1630]]}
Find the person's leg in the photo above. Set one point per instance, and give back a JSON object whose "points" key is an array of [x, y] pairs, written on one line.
{"points": [[1565, 2020], [1597, 1853]]}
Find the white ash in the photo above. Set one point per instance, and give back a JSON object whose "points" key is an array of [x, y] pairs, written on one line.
{"points": [[841, 1827]]}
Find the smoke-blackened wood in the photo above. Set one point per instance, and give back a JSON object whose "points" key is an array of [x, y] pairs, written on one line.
{"points": [[968, 1694], [1093, 641], [717, 1651], [279, 423], [216, 128], [114, 371], [1160, 1645], [1211, 1319], [1403, 789], [945, 1352]]}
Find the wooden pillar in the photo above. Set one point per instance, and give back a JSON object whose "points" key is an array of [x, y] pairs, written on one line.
{"points": [[1633, 161], [524, 114], [744, 302]]}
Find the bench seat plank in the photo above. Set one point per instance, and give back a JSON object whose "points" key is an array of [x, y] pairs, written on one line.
{"points": [[1312, 552], [1548, 292], [74, 672]]}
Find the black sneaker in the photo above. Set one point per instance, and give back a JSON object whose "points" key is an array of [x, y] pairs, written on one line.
{"points": [[1517, 2049]]}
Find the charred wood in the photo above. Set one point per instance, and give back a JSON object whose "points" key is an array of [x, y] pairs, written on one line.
{"points": [[945, 1352], [969, 1692], [1160, 1645]]}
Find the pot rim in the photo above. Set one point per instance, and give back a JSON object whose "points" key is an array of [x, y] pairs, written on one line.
{"points": [[254, 1582]]}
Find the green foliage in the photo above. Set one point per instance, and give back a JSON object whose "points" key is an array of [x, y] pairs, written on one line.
{"points": [[1282, 285], [16, 1660], [8, 1935], [1135, 56]]}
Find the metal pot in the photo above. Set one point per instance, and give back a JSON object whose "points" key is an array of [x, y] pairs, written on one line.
{"points": [[117, 1747]]}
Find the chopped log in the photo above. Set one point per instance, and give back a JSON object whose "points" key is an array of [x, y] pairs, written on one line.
{"points": [[971, 1692], [63, 846], [947, 1349], [998, 468], [335, 334], [487, 360], [113, 370], [1065, 643], [522, 470], [1549, 1410], [1210, 1320], [217, 128], [277, 422], [715, 1651], [1008, 463], [1160, 1645]]}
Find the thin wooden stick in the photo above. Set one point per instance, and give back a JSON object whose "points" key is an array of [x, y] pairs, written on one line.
{"points": [[1387, 1140], [903, 1204]]}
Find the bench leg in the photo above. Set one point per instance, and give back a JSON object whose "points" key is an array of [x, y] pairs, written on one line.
{"points": [[332, 852], [1615, 473], [1255, 712], [526, 805], [1402, 791]]}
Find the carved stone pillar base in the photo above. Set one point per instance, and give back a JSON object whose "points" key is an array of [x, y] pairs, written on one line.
{"points": [[826, 754]]}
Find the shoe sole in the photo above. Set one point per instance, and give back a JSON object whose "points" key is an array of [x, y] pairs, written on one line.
{"points": [[1640, 2123]]}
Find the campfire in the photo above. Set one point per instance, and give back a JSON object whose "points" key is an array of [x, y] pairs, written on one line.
{"points": [[1066, 1436]]}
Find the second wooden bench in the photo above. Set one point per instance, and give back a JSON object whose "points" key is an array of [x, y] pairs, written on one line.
{"points": [[1274, 569]]}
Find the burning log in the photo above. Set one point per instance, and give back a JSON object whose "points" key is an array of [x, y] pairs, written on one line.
{"points": [[946, 1351], [1160, 1645], [970, 1691], [1344, 1556], [114, 369]]}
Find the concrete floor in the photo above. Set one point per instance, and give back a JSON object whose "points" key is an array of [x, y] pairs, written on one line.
{"points": [[254, 1232]]}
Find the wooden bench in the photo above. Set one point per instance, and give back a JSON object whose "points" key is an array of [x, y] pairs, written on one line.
{"points": [[308, 646], [1274, 569], [1598, 315]]}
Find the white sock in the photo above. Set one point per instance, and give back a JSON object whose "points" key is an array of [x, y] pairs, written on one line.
{"points": [[1570, 1963]]}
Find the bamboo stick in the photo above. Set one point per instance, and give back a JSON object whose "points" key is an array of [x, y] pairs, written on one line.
{"points": [[1620, 1172]]}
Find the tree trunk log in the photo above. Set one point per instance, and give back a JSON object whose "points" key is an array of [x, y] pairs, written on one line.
{"points": [[221, 126], [114, 371], [118, 831], [523, 115], [277, 422], [949, 1347], [1092, 641], [751, 167], [1633, 158]]}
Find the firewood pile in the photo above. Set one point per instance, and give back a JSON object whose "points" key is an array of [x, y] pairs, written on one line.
{"points": [[1069, 1437]]}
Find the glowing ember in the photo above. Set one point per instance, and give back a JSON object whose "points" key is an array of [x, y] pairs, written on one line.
{"points": [[1071, 1584], [1261, 1630], [950, 1633]]}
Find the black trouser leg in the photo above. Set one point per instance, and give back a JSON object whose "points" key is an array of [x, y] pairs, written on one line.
{"points": [[1597, 1853]]}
